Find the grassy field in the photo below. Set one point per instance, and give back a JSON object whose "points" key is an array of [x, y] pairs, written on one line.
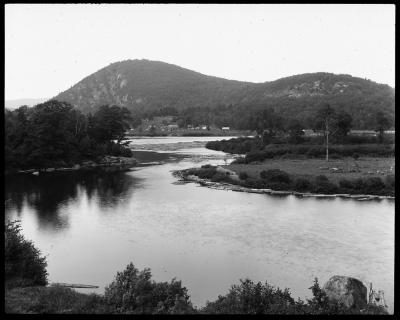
{"points": [[334, 170], [42, 299]]}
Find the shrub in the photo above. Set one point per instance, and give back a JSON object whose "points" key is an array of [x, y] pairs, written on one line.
{"points": [[323, 185], [118, 150], [133, 291], [219, 177], [321, 178], [278, 185], [346, 184], [390, 181], [257, 298], [243, 175], [302, 184], [252, 298], [373, 185], [24, 265], [355, 156], [254, 183], [275, 175], [205, 173], [235, 146]]}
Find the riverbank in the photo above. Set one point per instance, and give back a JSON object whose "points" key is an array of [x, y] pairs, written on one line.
{"points": [[109, 163], [61, 300], [222, 178]]}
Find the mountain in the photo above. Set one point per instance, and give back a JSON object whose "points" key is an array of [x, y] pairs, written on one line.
{"points": [[16, 103], [143, 85]]}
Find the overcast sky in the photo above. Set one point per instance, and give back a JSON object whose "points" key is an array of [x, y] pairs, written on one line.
{"points": [[49, 48]]}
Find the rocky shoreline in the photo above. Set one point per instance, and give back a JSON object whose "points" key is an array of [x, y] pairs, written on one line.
{"points": [[107, 163], [182, 176]]}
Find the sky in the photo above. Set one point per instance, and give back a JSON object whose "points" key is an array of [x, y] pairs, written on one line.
{"points": [[51, 47]]}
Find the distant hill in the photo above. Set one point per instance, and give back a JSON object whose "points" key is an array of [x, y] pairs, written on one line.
{"points": [[16, 103], [143, 85]]}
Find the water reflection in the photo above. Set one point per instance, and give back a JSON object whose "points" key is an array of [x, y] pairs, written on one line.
{"points": [[49, 195]]}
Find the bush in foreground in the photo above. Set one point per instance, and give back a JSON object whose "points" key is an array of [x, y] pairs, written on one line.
{"points": [[252, 298], [24, 265], [257, 298], [133, 291]]}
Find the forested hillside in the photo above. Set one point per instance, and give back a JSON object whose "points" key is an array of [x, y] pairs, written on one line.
{"points": [[149, 87]]}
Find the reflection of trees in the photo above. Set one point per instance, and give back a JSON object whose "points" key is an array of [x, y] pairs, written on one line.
{"points": [[47, 193], [109, 187]]}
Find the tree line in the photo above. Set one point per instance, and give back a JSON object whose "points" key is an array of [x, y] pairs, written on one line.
{"points": [[271, 117], [55, 134]]}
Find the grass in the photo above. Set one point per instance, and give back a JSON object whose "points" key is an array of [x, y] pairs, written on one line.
{"points": [[309, 168], [41, 299]]}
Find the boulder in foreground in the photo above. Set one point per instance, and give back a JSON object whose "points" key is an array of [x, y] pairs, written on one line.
{"points": [[348, 291]]}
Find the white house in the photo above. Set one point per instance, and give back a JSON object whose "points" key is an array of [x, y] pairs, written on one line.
{"points": [[172, 127]]}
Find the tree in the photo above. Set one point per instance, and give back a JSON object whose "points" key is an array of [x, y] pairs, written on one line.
{"points": [[326, 120], [266, 123], [343, 124], [109, 123], [295, 130], [382, 123], [52, 135]]}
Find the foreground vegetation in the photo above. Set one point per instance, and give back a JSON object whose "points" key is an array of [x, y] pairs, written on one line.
{"points": [[54, 134], [134, 292]]}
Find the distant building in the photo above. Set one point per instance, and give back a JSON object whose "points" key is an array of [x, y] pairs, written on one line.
{"points": [[363, 133], [173, 127], [203, 127], [390, 132], [225, 128], [312, 133]]}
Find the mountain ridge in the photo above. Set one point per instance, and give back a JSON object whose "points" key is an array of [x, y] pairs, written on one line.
{"points": [[146, 85]]}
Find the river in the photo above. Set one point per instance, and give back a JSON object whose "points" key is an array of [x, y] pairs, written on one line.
{"points": [[91, 225]]}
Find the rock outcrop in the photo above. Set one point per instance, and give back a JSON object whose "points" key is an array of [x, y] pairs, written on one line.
{"points": [[348, 291]]}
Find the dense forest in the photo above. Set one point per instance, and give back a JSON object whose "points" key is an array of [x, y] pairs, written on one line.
{"points": [[148, 88], [55, 134]]}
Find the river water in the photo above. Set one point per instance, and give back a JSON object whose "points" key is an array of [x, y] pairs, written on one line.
{"points": [[91, 225]]}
